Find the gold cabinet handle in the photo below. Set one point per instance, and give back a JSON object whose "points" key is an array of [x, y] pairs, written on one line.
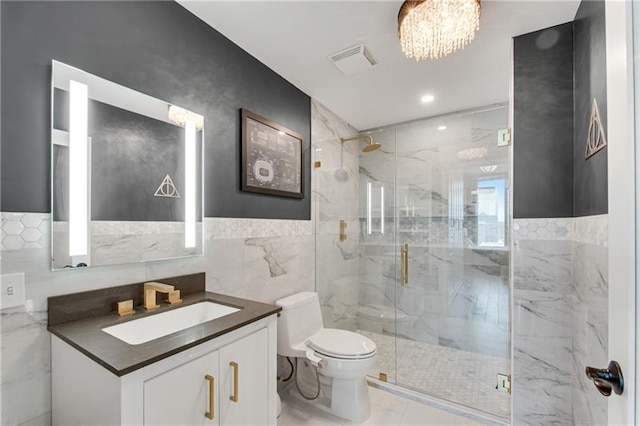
{"points": [[404, 264], [210, 414], [236, 369]]}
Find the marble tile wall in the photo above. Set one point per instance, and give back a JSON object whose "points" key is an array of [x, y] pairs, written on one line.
{"points": [[559, 319], [590, 317], [256, 258]]}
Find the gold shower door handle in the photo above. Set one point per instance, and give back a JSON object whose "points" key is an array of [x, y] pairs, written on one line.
{"points": [[210, 414], [404, 264], [236, 370]]}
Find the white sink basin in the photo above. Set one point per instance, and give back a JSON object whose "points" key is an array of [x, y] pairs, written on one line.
{"points": [[154, 326]]}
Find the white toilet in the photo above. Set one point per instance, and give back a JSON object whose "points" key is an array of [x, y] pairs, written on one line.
{"points": [[343, 358]]}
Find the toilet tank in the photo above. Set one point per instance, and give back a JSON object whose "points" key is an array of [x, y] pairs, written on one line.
{"points": [[300, 319]]}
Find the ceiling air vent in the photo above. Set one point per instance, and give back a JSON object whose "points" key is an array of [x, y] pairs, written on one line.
{"points": [[354, 59]]}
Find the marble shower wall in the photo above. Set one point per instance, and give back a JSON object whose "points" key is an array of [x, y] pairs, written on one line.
{"points": [[260, 259], [559, 319], [335, 188]]}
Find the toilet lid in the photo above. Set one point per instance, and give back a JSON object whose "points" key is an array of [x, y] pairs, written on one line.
{"points": [[341, 344]]}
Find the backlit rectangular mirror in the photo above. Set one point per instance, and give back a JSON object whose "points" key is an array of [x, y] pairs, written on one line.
{"points": [[126, 174]]}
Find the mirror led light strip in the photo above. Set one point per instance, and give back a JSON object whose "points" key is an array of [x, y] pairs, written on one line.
{"points": [[368, 208], [382, 209], [78, 169], [190, 185]]}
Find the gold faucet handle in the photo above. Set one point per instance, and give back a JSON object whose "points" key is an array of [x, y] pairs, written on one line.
{"points": [[174, 297], [159, 287], [125, 307]]}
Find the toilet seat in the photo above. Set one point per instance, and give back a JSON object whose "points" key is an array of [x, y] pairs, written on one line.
{"points": [[342, 344]]}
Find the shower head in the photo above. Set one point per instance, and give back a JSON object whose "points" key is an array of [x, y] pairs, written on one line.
{"points": [[370, 146]]}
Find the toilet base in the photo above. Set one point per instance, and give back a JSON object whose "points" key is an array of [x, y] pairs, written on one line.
{"points": [[345, 398], [355, 413], [350, 399]]}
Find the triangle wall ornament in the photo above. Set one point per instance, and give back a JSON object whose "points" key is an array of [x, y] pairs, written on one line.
{"points": [[596, 139], [167, 188]]}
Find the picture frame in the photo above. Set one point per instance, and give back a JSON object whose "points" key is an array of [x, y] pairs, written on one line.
{"points": [[272, 157]]}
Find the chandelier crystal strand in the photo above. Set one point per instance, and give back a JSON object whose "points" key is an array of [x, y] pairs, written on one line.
{"points": [[436, 28]]}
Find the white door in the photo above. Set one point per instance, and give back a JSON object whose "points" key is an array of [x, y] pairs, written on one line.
{"points": [[622, 177], [186, 395], [244, 381]]}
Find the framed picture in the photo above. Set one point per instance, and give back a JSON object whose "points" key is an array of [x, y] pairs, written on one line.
{"points": [[272, 157]]}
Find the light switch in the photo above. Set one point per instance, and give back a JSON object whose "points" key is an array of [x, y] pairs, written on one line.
{"points": [[12, 290]]}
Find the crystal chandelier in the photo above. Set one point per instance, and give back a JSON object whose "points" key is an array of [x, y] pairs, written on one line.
{"points": [[435, 28]]}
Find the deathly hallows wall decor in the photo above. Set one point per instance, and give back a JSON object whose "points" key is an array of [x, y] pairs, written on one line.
{"points": [[167, 188], [596, 139], [272, 157]]}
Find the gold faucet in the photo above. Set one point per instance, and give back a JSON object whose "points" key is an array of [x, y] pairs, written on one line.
{"points": [[150, 290]]}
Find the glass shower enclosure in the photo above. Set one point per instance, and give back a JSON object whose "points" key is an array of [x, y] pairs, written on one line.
{"points": [[422, 267]]}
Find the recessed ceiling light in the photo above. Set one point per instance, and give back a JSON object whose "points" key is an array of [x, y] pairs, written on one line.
{"points": [[426, 99], [442, 127]]}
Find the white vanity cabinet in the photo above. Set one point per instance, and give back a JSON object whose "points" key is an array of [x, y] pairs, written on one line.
{"points": [[181, 395], [230, 380], [231, 383]]}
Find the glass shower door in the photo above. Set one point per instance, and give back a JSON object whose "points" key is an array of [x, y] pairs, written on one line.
{"points": [[453, 316], [377, 313]]}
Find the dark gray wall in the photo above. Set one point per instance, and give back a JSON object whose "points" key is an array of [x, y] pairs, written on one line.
{"points": [[590, 176], [157, 48], [543, 124]]}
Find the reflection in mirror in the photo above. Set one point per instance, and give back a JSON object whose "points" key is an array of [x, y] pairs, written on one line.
{"points": [[126, 174]]}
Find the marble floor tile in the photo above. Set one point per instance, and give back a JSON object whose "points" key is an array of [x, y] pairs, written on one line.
{"points": [[387, 409], [421, 415], [296, 412], [384, 417]]}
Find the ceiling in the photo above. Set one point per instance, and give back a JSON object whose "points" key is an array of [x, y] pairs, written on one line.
{"points": [[295, 39]]}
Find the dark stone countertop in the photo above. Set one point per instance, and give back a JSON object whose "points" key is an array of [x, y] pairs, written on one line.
{"points": [[121, 358]]}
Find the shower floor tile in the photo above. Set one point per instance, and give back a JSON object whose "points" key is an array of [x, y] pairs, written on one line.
{"points": [[463, 377]]}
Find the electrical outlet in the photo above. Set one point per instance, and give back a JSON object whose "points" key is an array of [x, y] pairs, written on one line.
{"points": [[12, 290]]}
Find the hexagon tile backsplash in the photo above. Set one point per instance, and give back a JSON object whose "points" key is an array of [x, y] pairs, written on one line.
{"points": [[33, 230], [584, 229], [24, 230]]}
